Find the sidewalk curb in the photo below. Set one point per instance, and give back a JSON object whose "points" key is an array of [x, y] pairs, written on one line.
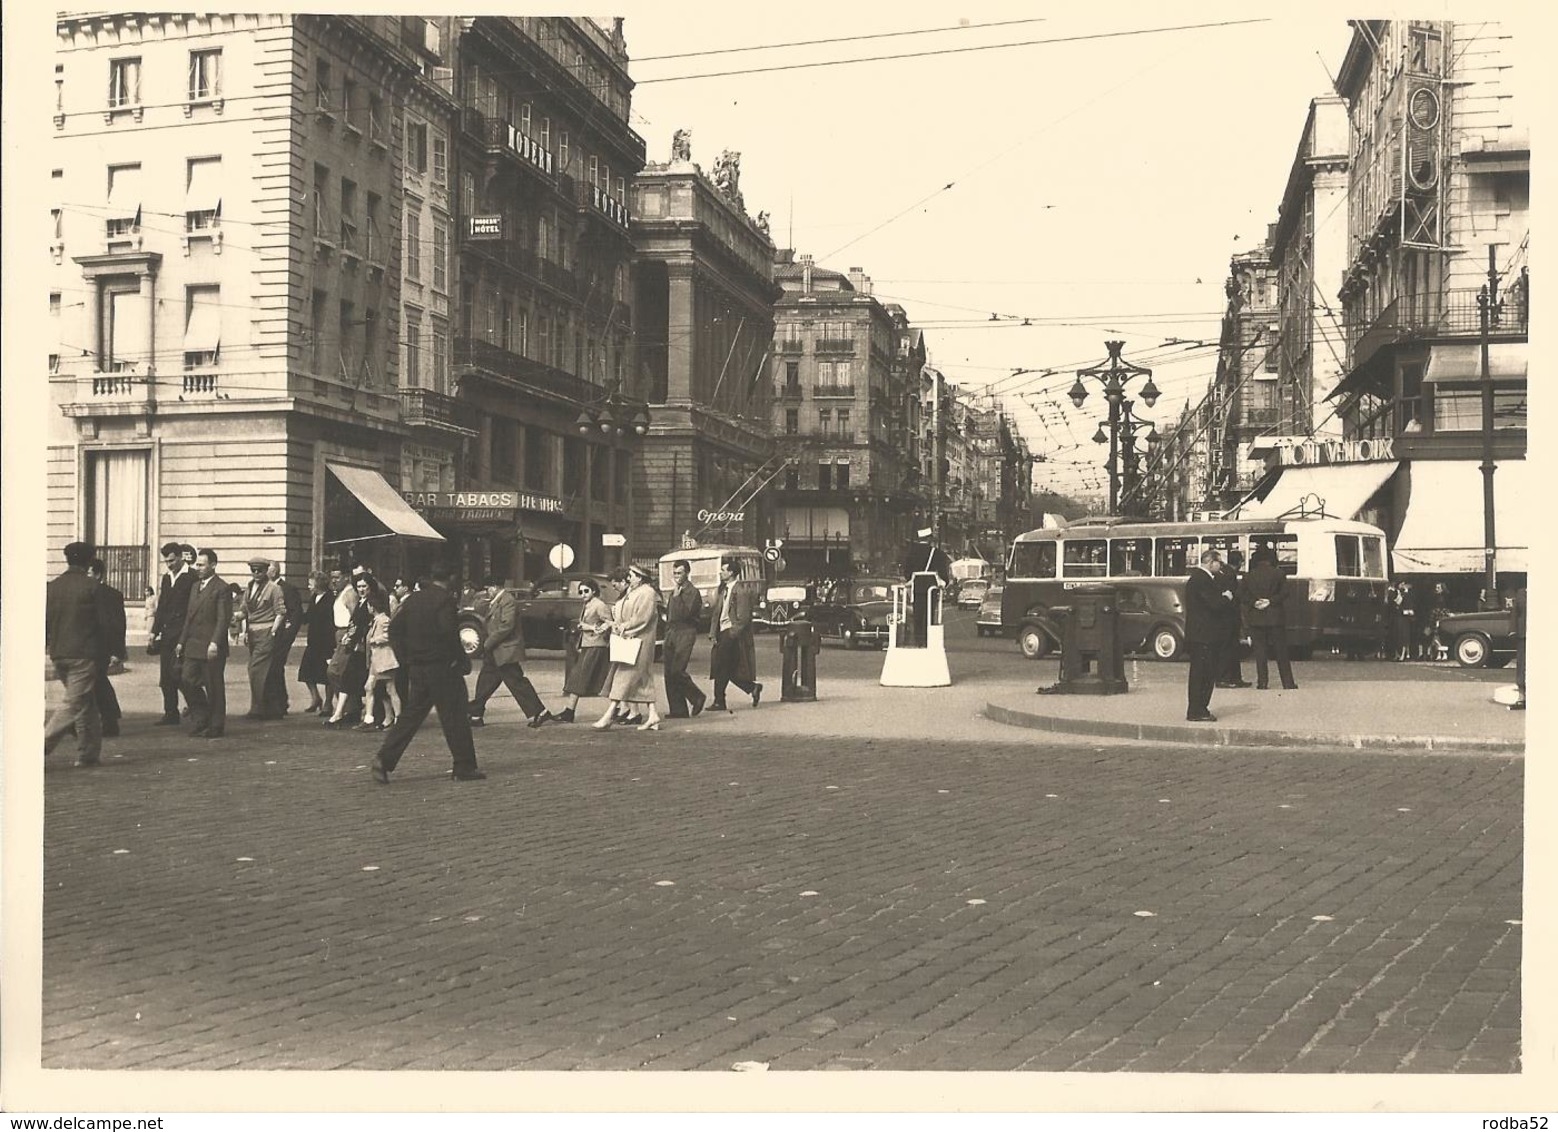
{"points": [[1242, 737]]}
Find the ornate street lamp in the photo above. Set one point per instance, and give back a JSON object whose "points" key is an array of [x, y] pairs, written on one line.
{"points": [[1114, 374]]}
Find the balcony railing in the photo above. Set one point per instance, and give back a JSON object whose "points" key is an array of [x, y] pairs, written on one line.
{"points": [[790, 346], [835, 345], [1433, 315], [787, 391], [590, 197], [428, 408], [833, 390], [484, 357]]}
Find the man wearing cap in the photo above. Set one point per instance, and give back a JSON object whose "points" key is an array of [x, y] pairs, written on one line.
{"points": [[276, 700], [74, 632], [167, 626], [924, 557], [262, 613], [503, 655]]}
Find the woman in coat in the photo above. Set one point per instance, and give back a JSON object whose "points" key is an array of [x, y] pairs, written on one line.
{"points": [[319, 616], [592, 662], [633, 685], [353, 648]]}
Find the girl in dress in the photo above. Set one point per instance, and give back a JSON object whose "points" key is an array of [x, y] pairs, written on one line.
{"points": [[382, 663]]}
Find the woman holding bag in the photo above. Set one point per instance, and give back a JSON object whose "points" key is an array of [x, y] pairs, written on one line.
{"points": [[592, 660], [633, 650]]}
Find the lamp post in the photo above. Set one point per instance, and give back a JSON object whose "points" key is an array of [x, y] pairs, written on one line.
{"points": [[1115, 374], [614, 417], [1488, 307]]}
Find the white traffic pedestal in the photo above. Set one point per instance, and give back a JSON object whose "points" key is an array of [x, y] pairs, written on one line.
{"points": [[918, 665]]}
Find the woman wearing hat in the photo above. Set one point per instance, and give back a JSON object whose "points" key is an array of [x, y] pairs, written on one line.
{"points": [[633, 684], [592, 661]]}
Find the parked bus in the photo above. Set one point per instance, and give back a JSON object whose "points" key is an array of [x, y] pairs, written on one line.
{"points": [[1336, 570]]}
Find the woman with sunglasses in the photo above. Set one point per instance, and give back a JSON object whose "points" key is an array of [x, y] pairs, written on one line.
{"points": [[592, 661]]}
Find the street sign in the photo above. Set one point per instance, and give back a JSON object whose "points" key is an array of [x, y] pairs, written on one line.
{"points": [[613, 538], [771, 553], [560, 556]]}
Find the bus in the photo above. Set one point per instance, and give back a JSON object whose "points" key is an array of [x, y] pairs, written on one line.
{"points": [[1336, 567]]}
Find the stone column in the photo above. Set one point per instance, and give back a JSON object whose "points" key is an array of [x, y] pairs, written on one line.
{"points": [[681, 342]]}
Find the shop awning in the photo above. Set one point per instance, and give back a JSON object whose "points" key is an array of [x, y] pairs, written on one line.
{"points": [[374, 492], [1342, 489], [1442, 530], [1463, 362]]}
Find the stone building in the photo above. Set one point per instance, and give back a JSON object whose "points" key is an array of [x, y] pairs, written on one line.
{"points": [[225, 301], [1245, 402], [704, 306]]}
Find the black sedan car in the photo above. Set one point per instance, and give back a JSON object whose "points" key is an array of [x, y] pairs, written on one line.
{"points": [[855, 611], [1479, 640]]}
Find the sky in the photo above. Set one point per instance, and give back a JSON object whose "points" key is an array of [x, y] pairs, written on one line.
{"points": [[1099, 184]]}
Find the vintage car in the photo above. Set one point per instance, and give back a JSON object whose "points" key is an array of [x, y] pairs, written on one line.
{"points": [[855, 611], [548, 611], [971, 592], [988, 620], [776, 608], [1479, 640]]}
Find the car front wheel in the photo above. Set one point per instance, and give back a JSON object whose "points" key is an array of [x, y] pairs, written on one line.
{"points": [[1167, 644], [1471, 650], [1034, 642]]}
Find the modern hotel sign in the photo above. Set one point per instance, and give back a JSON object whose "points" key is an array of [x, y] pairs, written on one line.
{"points": [[1308, 453]]}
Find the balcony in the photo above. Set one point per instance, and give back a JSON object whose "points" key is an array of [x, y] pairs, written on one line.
{"points": [[111, 392], [485, 359], [509, 253], [430, 409], [1440, 316], [790, 346], [833, 390], [589, 199], [835, 345], [787, 392]]}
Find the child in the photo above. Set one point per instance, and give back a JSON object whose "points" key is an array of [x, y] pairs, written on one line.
{"points": [[382, 664]]}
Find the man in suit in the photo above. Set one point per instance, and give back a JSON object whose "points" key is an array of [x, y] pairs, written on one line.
{"points": [[291, 621], [426, 635], [1232, 673], [74, 632], [503, 656], [733, 659], [1265, 614], [262, 611], [1210, 613], [167, 626], [683, 609], [203, 649], [112, 648]]}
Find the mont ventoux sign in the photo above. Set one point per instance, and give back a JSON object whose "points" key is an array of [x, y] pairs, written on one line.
{"points": [[481, 506], [1307, 453]]}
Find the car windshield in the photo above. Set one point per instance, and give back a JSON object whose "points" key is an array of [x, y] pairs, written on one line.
{"points": [[873, 592]]}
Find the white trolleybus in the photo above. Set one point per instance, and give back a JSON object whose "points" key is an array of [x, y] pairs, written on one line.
{"points": [[1335, 569]]}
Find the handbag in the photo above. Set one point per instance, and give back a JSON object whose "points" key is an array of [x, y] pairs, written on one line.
{"points": [[624, 650]]}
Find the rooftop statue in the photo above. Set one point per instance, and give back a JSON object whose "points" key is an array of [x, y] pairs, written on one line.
{"points": [[681, 145]]}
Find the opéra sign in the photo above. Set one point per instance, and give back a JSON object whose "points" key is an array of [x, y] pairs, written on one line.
{"points": [[707, 516], [1310, 452]]}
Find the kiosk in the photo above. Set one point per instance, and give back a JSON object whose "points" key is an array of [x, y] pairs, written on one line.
{"points": [[916, 637]]}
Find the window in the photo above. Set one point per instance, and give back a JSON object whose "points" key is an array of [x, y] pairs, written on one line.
{"points": [[202, 326], [841, 374], [792, 376], [562, 150], [1032, 560], [845, 431], [543, 238], [1373, 555], [370, 344], [440, 160], [1285, 547], [322, 86], [1460, 410], [345, 332], [1176, 557], [124, 83], [202, 193], [376, 240], [1349, 563], [841, 475], [546, 134], [592, 170], [55, 322], [205, 74], [351, 104], [792, 478], [322, 229], [521, 331], [1130, 556], [413, 245], [126, 322], [468, 193], [524, 119], [440, 256], [824, 477], [416, 146], [1273, 350], [824, 421], [440, 353], [1084, 558], [824, 375], [792, 422], [348, 215], [316, 332], [124, 200]]}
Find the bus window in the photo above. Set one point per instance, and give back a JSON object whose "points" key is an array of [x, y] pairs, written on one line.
{"points": [[1130, 556], [1373, 556], [1348, 563], [1227, 546], [1084, 558], [1032, 560], [1285, 546], [1176, 556]]}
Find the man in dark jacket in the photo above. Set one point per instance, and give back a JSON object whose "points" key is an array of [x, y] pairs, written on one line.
{"points": [[113, 648], [1265, 615], [167, 625], [426, 636], [203, 646], [1210, 614], [733, 658], [74, 631], [503, 659], [1232, 673], [683, 610]]}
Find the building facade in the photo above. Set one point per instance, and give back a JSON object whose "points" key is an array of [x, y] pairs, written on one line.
{"points": [[844, 504], [543, 342], [704, 304], [225, 301], [1245, 401]]}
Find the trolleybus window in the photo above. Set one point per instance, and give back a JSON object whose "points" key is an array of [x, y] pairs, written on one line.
{"points": [[1226, 545], [1176, 556], [1373, 556], [1285, 547], [1032, 560], [1128, 556], [1348, 562], [1084, 558]]}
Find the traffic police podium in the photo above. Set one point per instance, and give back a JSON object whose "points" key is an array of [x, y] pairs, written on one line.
{"points": [[916, 637]]}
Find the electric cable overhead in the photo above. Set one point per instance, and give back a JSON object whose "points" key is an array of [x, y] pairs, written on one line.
{"points": [[836, 39]]}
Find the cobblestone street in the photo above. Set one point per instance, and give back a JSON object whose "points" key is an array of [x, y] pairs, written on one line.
{"points": [[699, 897]]}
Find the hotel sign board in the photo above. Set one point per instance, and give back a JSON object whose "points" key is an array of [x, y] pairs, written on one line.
{"points": [[482, 506], [485, 228]]}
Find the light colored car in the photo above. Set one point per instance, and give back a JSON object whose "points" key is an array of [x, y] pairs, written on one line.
{"points": [[988, 620], [971, 593]]}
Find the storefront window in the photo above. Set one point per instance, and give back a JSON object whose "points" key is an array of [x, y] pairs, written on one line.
{"points": [[1460, 410]]}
